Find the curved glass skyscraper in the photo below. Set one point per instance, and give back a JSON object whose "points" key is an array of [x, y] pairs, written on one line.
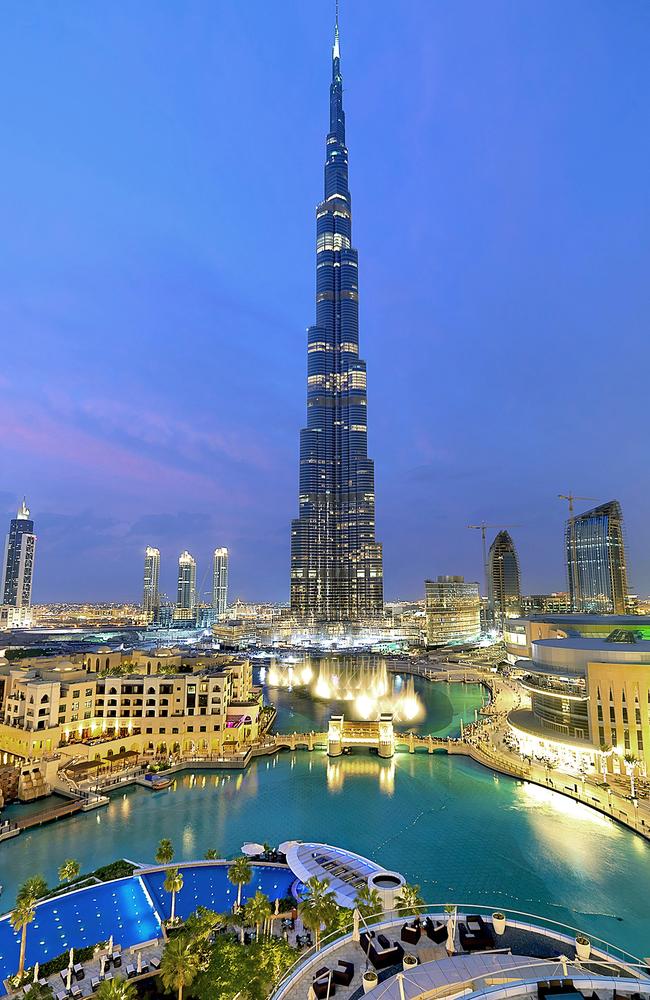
{"points": [[504, 589], [595, 553], [336, 564]]}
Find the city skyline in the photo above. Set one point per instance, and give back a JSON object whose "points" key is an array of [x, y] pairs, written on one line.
{"points": [[522, 209]]}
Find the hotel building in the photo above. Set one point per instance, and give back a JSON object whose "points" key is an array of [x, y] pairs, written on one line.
{"points": [[18, 571], [220, 582], [150, 594], [95, 706], [186, 596]]}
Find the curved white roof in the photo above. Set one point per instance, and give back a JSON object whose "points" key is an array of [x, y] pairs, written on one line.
{"points": [[345, 870]]}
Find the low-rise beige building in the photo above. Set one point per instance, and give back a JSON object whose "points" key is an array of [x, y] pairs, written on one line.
{"points": [[96, 706]]}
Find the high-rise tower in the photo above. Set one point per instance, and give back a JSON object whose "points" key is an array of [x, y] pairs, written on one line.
{"points": [[595, 551], [504, 587], [18, 562], [150, 593], [336, 564], [186, 598], [220, 582]]}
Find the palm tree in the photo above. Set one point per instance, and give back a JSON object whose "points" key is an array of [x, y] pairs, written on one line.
{"points": [[32, 888], [178, 965], [368, 901], [116, 989], [21, 916], [258, 910], [69, 870], [240, 873], [409, 900], [631, 760], [173, 883], [211, 854], [318, 906], [41, 991], [165, 852]]}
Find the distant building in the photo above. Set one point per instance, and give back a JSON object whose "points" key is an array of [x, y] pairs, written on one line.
{"points": [[595, 554], [186, 599], [18, 570], [453, 610], [546, 604], [504, 586], [151, 595], [220, 582]]}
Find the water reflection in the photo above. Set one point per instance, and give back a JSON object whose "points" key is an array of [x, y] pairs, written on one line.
{"points": [[338, 771]]}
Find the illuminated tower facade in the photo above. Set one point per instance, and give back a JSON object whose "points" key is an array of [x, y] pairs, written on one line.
{"points": [[220, 582], [186, 598], [595, 552], [336, 564], [150, 591], [18, 561]]}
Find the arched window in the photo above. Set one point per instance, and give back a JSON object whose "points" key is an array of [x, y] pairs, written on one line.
{"points": [[97, 664], [108, 663]]}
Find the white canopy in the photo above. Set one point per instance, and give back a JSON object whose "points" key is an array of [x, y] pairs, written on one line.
{"points": [[250, 850]]}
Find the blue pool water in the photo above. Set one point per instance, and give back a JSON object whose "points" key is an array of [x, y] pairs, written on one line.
{"points": [[130, 909], [208, 885], [79, 919]]}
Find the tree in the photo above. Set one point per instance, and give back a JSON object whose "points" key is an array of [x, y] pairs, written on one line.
{"points": [[173, 883], [115, 989], [368, 902], [178, 965], [199, 929], [69, 870], [21, 917], [211, 854], [240, 873], [246, 973], [32, 888], [41, 991], [631, 760], [165, 852], [258, 911], [409, 900], [318, 906]]}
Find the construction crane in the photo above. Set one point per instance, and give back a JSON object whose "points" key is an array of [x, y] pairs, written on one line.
{"points": [[572, 567], [570, 497], [482, 527]]}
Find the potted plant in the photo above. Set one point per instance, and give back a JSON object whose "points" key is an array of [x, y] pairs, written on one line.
{"points": [[498, 922], [409, 961], [583, 947], [370, 980]]}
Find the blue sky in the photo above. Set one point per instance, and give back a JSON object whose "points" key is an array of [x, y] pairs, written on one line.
{"points": [[161, 165]]}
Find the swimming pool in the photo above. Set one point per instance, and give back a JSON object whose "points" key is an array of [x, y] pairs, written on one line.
{"points": [[129, 909]]}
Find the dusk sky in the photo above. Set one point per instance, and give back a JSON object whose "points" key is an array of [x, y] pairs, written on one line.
{"points": [[161, 165]]}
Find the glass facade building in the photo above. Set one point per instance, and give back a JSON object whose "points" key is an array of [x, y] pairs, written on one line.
{"points": [[595, 554], [18, 561], [453, 610], [504, 585], [220, 582], [150, 591], [336, 564]]}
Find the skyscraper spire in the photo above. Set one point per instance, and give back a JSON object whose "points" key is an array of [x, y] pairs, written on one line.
{"points": [[336, 52], [336, 564]]}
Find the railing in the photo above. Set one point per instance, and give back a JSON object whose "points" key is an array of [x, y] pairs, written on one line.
{"points": [[603, 951]]}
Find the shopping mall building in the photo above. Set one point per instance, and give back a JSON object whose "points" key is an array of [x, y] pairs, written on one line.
{"points": [[588, 680]]}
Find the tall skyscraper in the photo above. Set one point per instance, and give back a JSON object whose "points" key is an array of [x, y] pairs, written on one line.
{"points": [[18, 562], [504, 585], [150, 595], [186, 599], [336, 564], [595, 553], [220, 582]]}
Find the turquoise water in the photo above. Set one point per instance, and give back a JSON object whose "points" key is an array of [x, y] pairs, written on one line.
{"points": [[448, 824], [444, 707]]}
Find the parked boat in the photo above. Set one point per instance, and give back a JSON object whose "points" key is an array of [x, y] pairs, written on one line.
{"points": [[160, 783]]}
